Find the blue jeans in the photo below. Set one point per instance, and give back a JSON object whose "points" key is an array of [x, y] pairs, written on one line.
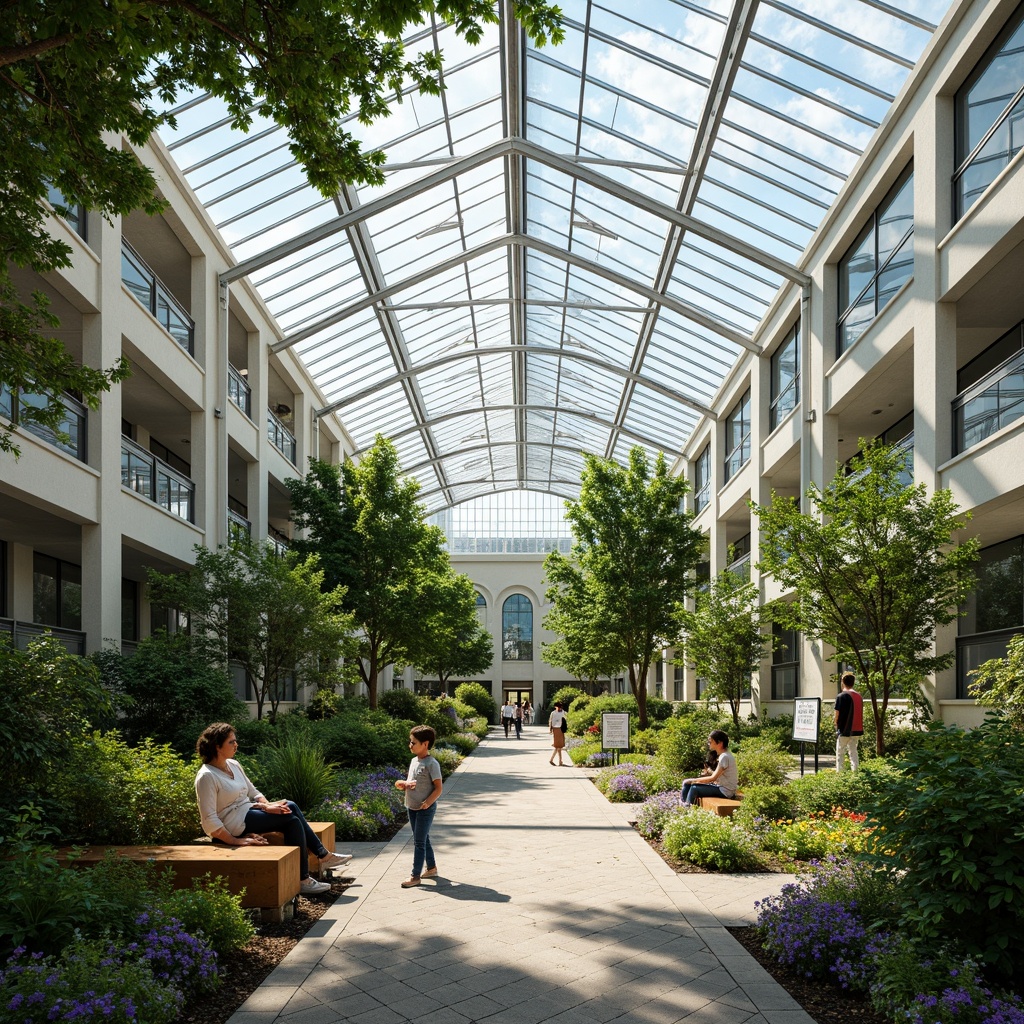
{"points": [[422, 850], [692, 790], [294, 828]]}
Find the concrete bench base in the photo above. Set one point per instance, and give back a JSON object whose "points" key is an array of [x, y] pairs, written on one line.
{"points": [[268, 874], [721, 805]]}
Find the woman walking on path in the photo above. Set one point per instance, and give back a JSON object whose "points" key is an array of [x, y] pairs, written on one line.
{"points": [[556, 726]]}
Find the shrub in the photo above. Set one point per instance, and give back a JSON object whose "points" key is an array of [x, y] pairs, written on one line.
{"points": [[297, 770], [626, 789], [447, 758], [371, 739], [479, 699], [764, 803], [853, 790], [709, 841], [639, 776], [761, 762], [89, 982], [645, 741], [464, 742], [169, 690], [477, 726], [325, 703], [402, 704], [655, 812], [658, 709], [683, 744], [210, 909], [584, 714], [182, 961], [952, 836], [253, 733], [565, 696], [817, 836]]}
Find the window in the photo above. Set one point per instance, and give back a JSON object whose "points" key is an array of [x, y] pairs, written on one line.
{"points": [[739, 554], [481, 609], [991, 391], [3, 578], [129, 610], [737, 437], [878, 263], [785, 378], [702, 479], [785, 664], [995, 610], [989, 113], [56, 592], [678, 681], [517, 629], [74, 215]]}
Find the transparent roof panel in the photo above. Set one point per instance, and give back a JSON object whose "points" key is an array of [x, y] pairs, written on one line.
{"points": [[568, 256]]}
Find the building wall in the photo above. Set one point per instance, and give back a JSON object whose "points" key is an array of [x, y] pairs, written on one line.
{"points": [[963, 294]]}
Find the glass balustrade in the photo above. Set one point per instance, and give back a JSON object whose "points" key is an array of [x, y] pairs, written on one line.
{"points": [[990, 404], [239, 392], [72, 425], [144, 473], [151, 292], [281, 437]]}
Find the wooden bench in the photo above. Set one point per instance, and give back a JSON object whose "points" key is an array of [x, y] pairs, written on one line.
{"points": [[324, 832], [720, 805], [268, 874]]}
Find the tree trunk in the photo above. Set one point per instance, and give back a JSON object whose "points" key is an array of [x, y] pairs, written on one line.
{"points": [[640, 692]]}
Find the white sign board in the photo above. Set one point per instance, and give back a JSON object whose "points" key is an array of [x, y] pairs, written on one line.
{"points": [[615, 731], [806, 719]]}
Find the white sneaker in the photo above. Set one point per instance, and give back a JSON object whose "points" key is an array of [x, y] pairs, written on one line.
{"points": [[310, 887], [333, 860]]}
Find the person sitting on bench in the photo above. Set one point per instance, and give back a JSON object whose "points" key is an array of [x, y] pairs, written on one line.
{"points": [[722, 782], [233, 811]]}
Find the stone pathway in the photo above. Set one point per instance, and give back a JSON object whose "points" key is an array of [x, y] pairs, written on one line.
{"points": [[548, 908]]}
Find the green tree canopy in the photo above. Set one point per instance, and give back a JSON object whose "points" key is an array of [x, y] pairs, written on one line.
{"points": [[270, 614], [725, 638], [76, 74], [874, 570], [452, 641], [999, 683], [636, 550], [373, 537]]}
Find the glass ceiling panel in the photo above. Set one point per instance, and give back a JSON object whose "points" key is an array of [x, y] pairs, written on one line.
{"points": [[593, 272]]}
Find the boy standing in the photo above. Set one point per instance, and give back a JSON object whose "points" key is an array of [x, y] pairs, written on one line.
{"points": [[849, 719], [422, 791]]}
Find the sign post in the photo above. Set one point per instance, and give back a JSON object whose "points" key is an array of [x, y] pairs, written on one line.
{"points": [[806, 725], [615, 733]]}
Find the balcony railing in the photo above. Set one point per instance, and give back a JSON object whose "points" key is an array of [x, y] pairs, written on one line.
{"points": [[280, 546], [150, 291], [73, 423], [239, 392], [741, 566], [990, 404], [281, 437], [239, 528], [21, 633], [144, 473]]}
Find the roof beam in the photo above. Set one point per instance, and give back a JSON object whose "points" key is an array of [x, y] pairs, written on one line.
{"points": [[542, 351], [382, 295]]}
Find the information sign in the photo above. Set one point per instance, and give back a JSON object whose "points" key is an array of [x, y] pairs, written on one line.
{"points": [[806, 719], [615, 730]]}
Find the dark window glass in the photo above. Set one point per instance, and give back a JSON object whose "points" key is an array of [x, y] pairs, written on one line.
{"points": [[129, 610], [56, 592], [517, 629], [989, 112], [702, 479], [998, 600], [878, 263], [785, 374], [737, 437], [785, 664]]}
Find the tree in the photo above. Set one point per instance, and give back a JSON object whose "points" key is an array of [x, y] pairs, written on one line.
{"points": [[453, 643], [77, 74], [269, 614], [725, 638], [375, 542], [581, 646], [999, 683], [636, 552], [874, 570]]}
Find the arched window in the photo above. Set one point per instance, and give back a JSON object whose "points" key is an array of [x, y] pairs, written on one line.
{"points": [[517, 629], [481, 609]]}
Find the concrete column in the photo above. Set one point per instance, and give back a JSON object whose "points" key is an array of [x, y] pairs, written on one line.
{"points": [[101, 541], [19, 565]]}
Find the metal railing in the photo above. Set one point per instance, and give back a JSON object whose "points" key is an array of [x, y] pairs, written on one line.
{"points": [[239, 528], [239, 392], [280, 437], [73, 424], [151, 292], [144, 473], [989, 404], [22, 633]]}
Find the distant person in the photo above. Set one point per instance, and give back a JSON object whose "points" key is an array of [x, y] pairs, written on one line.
{"points": [[506, 716], [422, 791], [233, 811], [517, 719], [849, 718], [557, 724], [723, 781], [527, 712]]}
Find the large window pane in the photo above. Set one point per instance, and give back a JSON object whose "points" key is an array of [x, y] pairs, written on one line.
{"points": [[517, 629]]}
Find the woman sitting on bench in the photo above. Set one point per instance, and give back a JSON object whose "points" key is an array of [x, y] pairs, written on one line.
{"points": [[235, 812], [723, 781]]}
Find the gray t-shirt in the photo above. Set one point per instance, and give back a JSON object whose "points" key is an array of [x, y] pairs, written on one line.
{"points": [[423, 771], [729, 780]]}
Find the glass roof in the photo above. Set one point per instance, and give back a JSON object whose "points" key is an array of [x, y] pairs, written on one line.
{"points": [[573, 245]]}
